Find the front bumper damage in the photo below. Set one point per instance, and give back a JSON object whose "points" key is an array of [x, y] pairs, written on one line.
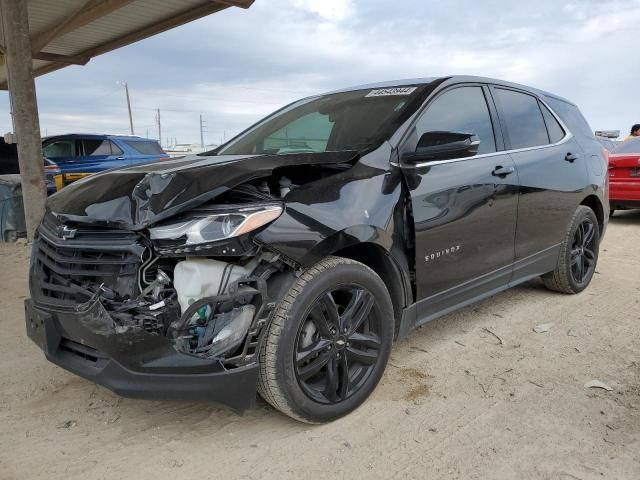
{"points": [[135, 363], [96, 310]]}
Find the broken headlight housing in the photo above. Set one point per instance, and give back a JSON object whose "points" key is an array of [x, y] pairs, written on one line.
{"points": [[212, 231]]}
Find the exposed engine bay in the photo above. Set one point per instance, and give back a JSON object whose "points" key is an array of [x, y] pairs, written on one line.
{"points": [[205, 306], [199, 279]]}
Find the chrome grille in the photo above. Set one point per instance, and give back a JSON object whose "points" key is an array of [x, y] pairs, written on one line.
{"points": [[69, 271]]}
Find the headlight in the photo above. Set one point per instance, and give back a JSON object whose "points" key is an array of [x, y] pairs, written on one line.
{"points": [[209, 227]]}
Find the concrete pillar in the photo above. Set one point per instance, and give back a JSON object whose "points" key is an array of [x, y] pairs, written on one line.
{"points": [[22, 91]]}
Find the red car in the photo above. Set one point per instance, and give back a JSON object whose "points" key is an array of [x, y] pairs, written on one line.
{"points": [[624, 176]]}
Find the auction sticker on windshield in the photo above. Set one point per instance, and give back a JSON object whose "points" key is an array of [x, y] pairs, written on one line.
{"points": [[386, 92]]}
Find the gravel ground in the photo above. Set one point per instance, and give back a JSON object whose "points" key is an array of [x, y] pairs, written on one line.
{"points": [[476, 394]]}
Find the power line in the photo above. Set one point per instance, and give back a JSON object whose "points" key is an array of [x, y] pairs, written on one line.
{"points": [[206, 97], [107, 94], [260, 89], [148, 109], [178, 111]]}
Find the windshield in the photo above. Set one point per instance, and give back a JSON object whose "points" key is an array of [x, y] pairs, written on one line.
{"points": [[606, 143], [630, 146], [353, 120], [145, 147]]}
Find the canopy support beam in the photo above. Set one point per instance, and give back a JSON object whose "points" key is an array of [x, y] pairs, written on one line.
{"points": [[24, 108]]}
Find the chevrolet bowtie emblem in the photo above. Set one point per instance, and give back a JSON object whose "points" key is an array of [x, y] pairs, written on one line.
{"points": [[67, 233]]}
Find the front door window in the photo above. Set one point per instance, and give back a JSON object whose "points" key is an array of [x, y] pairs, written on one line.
{"points": [[59, 149], [464, 110]]}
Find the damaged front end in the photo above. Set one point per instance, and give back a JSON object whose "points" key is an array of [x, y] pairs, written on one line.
{"points": [[174, 311], [107, 307], [172, 306]]}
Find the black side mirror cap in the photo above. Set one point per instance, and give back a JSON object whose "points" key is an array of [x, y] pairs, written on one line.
{"points": [[434, 146]]}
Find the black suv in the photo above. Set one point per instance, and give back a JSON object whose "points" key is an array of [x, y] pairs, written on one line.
{"points": [[289, 259]]}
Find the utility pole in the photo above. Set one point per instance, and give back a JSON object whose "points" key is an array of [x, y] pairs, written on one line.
{"points": [[126, 89], [24, 109], [159, 129], [202, 125]]}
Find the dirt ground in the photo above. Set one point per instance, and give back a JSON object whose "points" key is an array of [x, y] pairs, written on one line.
{"points": [[476, 394]]}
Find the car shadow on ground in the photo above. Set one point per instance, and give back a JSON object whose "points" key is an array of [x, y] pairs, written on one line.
{"points": [[178, 419], [628, 217]]}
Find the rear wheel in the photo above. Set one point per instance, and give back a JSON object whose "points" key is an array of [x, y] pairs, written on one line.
{"points": [[578, 254], [328, 343]]}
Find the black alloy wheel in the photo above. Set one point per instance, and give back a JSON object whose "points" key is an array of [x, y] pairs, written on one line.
{"points": [[328, 342], [578, 254], [583, 251], [338, 344]]}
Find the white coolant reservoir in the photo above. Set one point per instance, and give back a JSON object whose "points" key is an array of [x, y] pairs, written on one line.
{"points": [[197, 278]]}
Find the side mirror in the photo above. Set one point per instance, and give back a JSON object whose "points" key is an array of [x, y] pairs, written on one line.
{"points": [[443, 146]]}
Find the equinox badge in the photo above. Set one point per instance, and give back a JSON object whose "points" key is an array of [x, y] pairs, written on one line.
{"points": [[447, 251]]}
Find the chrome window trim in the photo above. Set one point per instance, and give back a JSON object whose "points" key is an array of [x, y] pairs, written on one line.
{"points": [[567, 136]]}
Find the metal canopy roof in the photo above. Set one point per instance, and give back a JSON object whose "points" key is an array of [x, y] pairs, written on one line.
{"points": [[71, 32]]}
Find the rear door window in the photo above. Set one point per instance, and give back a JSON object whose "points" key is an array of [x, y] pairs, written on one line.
{"points": [[96, 148], [464, 110], [522, 118], [145, 147]]}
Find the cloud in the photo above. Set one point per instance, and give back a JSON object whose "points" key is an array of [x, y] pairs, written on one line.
{"points": [[236, 66], [331, 10]]}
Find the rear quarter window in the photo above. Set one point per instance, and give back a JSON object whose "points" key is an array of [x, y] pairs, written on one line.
{"points": [[145, 147], [96, 148], [556, 133], [571, 116]]}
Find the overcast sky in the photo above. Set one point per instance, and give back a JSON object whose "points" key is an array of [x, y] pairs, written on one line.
{"points": [[238, 65]]}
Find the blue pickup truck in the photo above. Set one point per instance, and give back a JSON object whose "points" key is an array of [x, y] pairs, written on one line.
{"points": [[72, 156]]}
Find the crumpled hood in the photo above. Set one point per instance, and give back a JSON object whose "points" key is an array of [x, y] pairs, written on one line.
{"points": [[136, 197]]}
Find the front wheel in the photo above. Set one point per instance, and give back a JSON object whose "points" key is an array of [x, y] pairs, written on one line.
{"points": [[578, 254], [328, 342]]}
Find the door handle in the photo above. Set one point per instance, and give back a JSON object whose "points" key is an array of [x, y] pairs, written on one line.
{"points": [[571, 157], [502, 172], [119, 158]]}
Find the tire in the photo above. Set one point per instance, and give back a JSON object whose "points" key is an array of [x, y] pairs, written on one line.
{"points": [[301, 337], [579, 249]]}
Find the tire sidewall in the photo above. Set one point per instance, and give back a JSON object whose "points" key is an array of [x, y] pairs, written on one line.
{"points": [[341, 274]]}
